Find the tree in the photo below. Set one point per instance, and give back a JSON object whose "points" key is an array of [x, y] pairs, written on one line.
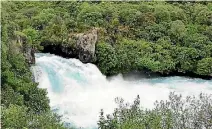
{"points": [[204, 66], [106, 56], [32, 36], [90, 15], [186, 57], [128, 16], [56, 31], [162, 13], [157, 31], [18, 117], [202, 14], [177, 30], [41, 20], [14, 117], [37, 101]]}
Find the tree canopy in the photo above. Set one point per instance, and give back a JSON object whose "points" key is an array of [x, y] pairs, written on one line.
{"points": [[178, 33]]}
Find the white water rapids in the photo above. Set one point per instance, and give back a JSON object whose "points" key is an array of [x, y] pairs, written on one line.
{"points": [[78, 91]]}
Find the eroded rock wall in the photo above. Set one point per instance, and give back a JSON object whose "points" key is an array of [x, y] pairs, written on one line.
{"points": [[27, 50], [29, 53], [79, 45], [85, 44]]}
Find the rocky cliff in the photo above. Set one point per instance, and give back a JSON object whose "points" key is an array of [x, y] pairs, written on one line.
{"points": [[85, 45], [27, 50], [29, 53], [79, 45]]}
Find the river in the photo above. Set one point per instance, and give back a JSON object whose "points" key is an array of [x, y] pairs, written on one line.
{"points": [[78, 91]]}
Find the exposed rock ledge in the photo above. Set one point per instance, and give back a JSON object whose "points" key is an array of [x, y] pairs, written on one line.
{"points": [[80, 45], [29, 54], [85, 44], [27, 50]]}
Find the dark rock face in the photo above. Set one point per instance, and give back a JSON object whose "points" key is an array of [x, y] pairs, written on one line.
{"points": [[60, 50], [80, 46], [29, 54], [85, 56], [27, 50]]}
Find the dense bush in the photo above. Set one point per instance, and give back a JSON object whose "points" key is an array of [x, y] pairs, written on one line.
{"points": [[128, 55], [18, 117], [204, 66], [106, 56], [179, 33], [176, 113]]}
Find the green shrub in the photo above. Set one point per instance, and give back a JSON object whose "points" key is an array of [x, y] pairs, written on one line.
{"points": [[176, 113]]}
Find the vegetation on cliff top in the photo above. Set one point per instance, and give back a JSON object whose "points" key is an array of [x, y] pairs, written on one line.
{"points": [[162, 37], [158, 36]]}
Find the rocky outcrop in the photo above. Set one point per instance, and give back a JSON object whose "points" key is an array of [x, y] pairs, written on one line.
{"points": [[85, 45], [29, 54], [79, 45], [27, 50]]}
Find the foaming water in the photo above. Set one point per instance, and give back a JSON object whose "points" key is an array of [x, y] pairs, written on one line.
{"points": [[78, 91]]}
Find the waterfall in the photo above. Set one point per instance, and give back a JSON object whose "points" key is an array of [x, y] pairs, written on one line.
{"points": [[78, 91]]}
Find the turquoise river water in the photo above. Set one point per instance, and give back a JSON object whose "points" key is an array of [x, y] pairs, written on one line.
{"points": [[78, 91]]}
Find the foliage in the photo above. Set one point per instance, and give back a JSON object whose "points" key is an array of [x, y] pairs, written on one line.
{"points": [[107, 56], [23, 104], [204, 66], [15, 117], [179, 34], [177, 113], [128, 55]]}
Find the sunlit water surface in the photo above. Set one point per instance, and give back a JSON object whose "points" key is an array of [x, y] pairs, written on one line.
{"points": [[78, 91]]}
